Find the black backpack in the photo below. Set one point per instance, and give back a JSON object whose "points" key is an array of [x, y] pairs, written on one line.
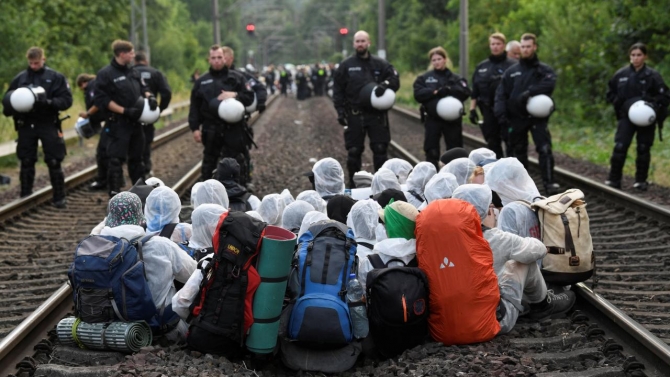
{"points": [[222, 311], [397, 299], [240, 203]]}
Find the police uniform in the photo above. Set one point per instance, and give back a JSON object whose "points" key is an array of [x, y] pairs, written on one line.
{"points": [[284, 81], [270, 81], [261, 93], [121, 84], [625, 88], [157, 84], [350, 77], [319, 77], [301, 85], [41, 123], [485, 81], [521, 81], [448, 84], [220, 139], [96, 121]]}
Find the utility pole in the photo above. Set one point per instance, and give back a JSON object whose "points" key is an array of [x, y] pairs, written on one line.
{"points": [[135, 25], [145, 37], [463, 58], [215, 22], [381, 29]]}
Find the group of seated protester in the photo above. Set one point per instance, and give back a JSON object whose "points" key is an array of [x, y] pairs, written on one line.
{"points": [[388, 222]]}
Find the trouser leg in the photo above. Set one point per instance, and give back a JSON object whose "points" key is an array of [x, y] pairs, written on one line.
{"points": [[136, 169], [101, 158], [53, 145], [114, 174], [27, 177], [118, 148], [354, 139], [491, 130], [212, 141], [26, 152], [431, 141], [149, 132], [515, 280], [57, 178], [453, 134], [518, 138], [622, 139], [542, 140], [645, 140], [377, 126]]}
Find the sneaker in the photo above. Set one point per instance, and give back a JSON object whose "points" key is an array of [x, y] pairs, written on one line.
{"points": [[641, 186], [97, 185], [613, 184], [552, 188], [555, 304], [62, 203]]}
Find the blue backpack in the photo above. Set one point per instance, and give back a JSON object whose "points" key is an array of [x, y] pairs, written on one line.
{"points": [[109, 282], [325, 257]]}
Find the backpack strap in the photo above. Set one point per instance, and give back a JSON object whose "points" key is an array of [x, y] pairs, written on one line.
{"points": [[168, 230], [368, 245], [569, 242], [376, 261], [417, 196]]}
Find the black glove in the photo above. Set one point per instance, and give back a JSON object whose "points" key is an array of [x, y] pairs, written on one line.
{"points": [[153, 104], [260, 108], [474, 118], [443, 91], [132, 113], [43, 103], [381, 88], [523, 98]]}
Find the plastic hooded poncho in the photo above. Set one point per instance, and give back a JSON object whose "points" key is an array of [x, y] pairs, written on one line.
{"points": [[390, 248], [416, 182], [162, 208], [461, 168], [363, 179], [363, 220], [399, 167], [271, 209], [511, 181], [213, 192], [194, 190], [481, 154], [255, 215], [514, 258], [287, 197], [384, 179], [440, 186], [517, 218], [204, 219], [312, 197], [310, 218], [155, 182], [328, 178], [293, 215]]}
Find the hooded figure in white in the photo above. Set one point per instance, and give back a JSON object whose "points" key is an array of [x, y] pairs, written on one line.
{"points": [[514, 257], [194, 190], [461, 168], [293, 215], [384, 179], [399, 167], [162, 207], [440, 186], [363, 220], [482, 154], [271, 209], [310, 219], [287, 197], [312, 197], [255, 215], [328, 178], [511, 181], [517, 218], [416, 182], [213, 192], [164, 261], [205, 219]]}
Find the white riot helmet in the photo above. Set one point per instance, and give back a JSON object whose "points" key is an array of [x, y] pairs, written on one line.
{"points": [[23, 99], [540, 106], [84, 128], [384, 102], [641, 114], [231, 110], [149, 116], [251, 108], [449, 108]]}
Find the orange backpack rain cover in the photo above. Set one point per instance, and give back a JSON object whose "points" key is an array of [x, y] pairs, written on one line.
{"points": [[458, 262]]}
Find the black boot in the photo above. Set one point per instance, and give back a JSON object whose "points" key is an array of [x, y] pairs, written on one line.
{"points": [[114, 176], [58, 185], [27, 177]]}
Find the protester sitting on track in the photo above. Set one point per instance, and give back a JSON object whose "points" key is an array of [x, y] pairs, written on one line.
{"points": [[293, 215], [416, 182], [312, 197], [477, 176], [155, 182], [363, 220], [194, 190], [399, 219], [239, 198], [399, 167], [271, 209], [461, 168], [480, 155], [328, 178], [363, 179], [213, 192], [287, 197], [515, 263], [338, 208], [382, 180], [385, 196], [164, 261], [205, 220], [310, 219], [440, 186], [162, 208]]}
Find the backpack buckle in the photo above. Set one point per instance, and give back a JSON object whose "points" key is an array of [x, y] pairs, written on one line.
{"points": [[235, 272], [342, 293], [574, 261]]}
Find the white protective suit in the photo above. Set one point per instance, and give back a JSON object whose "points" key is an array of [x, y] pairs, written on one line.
{"points": [[204, 219], [481, 154], [416, 182], [511, 181], [162, 207], [328, 178], [310, 218], [399, 167], [384, 179], [390, 248], [363, 220], [287, 197], [517, 218], [293, 215], [255, 215], [154, 181], [194, 190], [213, 192], [461, 168], [271, 209], [312, 197], [440, 186], [514, 259]]}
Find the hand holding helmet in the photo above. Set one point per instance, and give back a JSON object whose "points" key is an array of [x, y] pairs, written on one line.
{"points": [[443, 91], [381, 88], [153, 103], [132, 113]]}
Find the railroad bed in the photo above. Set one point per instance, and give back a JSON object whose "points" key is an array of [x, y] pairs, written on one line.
{"points": [[291, 133]]}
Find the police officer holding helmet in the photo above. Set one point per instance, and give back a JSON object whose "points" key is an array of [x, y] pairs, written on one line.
{"points": [[519, 83], [351, 79], [210, 102], [120, 91], [34, 98], [633, 83], [86, 83], [485, 81], [429, 89]]}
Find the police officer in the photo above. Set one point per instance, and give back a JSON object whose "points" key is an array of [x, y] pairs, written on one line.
{"points": [[302, 84], [630, 84], [220, 139], [319, 79], [40, 123], [284, 80], [351, 76], [158, 85], [429, 89], [521, 81], [485, 81], [86, 83], [120, 90], [270, 78]]}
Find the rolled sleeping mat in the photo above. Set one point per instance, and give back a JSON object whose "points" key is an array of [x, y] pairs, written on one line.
{"points": [[118, 336], [128, 336], [90, 335], [274, 266]]}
